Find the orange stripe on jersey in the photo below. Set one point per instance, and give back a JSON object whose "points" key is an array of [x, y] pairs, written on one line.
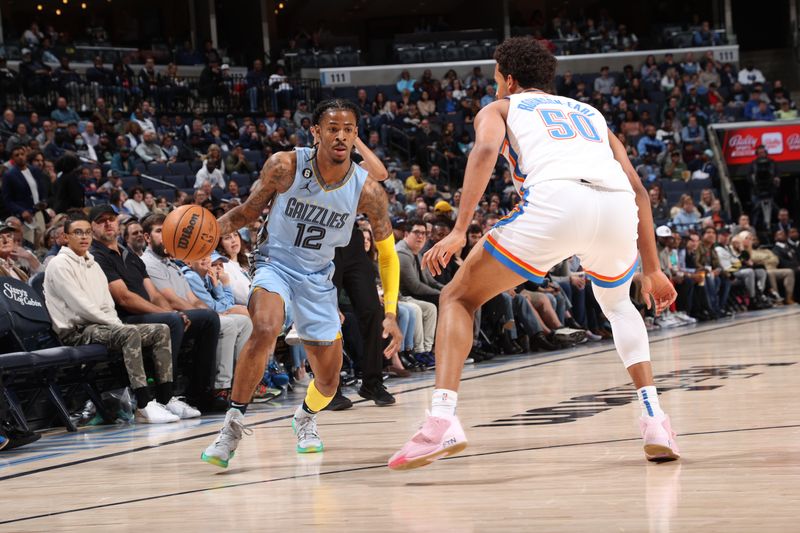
{"points": [[511, 257], [614, 278]]}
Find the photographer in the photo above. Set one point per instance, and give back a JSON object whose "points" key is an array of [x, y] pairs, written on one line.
{"points": [[764, 184]]}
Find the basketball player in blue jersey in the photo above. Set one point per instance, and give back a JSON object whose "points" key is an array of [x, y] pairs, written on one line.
{"points": [[580, 196], [314, 194]]}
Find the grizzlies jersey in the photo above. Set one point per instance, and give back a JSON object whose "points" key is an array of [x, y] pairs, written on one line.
{"points": [[308, 221], [552, 137]]}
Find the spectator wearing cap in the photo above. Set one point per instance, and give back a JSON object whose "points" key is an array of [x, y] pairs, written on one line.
{"points": [[302, 112], [112, 183], [122, 163], [674, 167], [138, 301], [443, 209], [395, 184], [669, 261]]}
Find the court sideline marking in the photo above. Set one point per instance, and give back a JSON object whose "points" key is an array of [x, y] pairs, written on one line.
{"points": [[374, 467], [415, 389]]}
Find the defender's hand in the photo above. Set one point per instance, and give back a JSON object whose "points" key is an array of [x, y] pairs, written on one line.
{"points": [[658, 286], [391, 329], [437, 257]]}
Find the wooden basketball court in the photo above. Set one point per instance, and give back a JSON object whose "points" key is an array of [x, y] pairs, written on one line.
{"points": [[554, 446]]}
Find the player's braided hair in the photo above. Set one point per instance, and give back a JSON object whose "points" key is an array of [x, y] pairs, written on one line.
{"points": [[334, 104], [527, 61]]}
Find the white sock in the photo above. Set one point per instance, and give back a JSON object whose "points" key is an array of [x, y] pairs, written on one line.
{"points": [[444, 402], [648, 401]]}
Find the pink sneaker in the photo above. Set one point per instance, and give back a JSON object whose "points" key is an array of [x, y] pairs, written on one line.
{"points": [[438, 437], [659, 439]]}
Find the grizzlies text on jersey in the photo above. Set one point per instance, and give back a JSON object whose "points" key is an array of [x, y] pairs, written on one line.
{"points": [[310, 219]]}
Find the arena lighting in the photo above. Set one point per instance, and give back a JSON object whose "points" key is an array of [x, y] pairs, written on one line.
{"points": [[39, 7], [58, 12], [65, 2], [280, 6], [276, 11], [83, 5]]}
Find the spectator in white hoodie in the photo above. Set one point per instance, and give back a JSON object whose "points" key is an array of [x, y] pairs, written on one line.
{"points": [[82, 309]]}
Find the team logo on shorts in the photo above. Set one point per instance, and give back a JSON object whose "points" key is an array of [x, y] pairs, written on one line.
{"points": [[307, 173]]}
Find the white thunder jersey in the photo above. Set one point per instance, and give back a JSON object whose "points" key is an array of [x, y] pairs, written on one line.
{"points": [[552, 137]]}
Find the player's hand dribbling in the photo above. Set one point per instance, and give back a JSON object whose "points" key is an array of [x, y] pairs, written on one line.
{"points": [[658, 286], [437, 257], [391, 329]]}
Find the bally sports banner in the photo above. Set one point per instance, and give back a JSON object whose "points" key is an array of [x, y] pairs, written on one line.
{"points": [[781, 139]]}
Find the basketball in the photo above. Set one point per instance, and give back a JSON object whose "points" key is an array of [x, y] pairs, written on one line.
{"points": [[190, 233]]}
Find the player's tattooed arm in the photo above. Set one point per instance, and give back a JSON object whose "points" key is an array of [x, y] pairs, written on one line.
{"points": [[371, 162], [276, 177], [375, 205]]}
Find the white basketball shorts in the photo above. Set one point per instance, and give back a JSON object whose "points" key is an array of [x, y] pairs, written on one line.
{"points": [[561, 218]]}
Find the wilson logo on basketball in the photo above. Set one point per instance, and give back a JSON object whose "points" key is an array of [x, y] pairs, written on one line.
{"points": [[793, 142], [186, 234]]}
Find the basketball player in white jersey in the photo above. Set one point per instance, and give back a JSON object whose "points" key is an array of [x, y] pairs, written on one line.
{"points": [[580, 196]]}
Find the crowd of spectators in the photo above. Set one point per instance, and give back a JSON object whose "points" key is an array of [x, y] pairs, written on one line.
{"points": [[97, 165]]}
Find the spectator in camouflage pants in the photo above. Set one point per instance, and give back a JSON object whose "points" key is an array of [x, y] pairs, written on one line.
{"points": [[82, 310]]}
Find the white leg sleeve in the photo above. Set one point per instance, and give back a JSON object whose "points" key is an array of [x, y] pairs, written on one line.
{"points": [[630, 334]]}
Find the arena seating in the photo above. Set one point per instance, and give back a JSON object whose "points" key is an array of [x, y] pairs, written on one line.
{"points": [[34, 359]]}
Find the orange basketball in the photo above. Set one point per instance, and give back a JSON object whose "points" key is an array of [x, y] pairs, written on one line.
{"points": [[190, 233]]}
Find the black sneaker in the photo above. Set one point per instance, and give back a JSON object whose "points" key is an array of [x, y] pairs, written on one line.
{"points": [[377, 393], [340, 402], [17, 437], [541, 342]]}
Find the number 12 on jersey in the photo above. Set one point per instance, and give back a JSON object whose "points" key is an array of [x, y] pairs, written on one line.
{"points": [[562, 127], [309, 236]]}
